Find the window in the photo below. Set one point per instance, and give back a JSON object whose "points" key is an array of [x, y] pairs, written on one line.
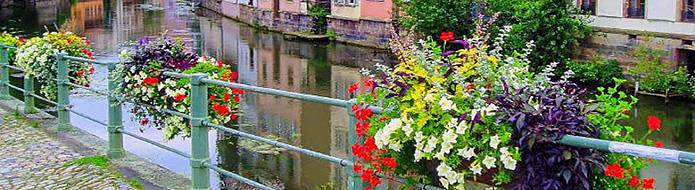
{"points": [[635, 8], [351, 2], [588, 6], [689, 10], [340, 2]]}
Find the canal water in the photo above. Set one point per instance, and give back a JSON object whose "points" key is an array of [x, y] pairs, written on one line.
{"points": [[267, 59]]}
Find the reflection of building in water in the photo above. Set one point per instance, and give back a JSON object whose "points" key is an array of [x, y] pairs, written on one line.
{"points": [[341, 78], [86, 14], [47, 11], [268, 60]]}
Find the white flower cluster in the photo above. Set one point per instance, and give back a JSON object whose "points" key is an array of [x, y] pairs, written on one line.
{"points": [[449, 177]]}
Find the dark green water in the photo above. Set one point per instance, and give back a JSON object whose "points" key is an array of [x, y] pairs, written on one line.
{"points": [[266, 59]]}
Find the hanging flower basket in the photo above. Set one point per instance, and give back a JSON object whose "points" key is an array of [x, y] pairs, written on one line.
{"points": [[145, 84], [36, 58]]}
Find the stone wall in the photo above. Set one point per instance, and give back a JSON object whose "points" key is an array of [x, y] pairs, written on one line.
{"points": [[214, 5], [358, 31], [361, 31], [616, 45]]}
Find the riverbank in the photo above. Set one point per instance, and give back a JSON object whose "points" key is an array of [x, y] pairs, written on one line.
{"points": [[300, 24], [42, 156]]}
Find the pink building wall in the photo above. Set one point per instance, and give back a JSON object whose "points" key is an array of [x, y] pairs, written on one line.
{"points": [[376, 9], [265, 5], [292, 6]]}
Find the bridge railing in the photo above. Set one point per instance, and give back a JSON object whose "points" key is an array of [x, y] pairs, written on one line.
{"points": [[199, 158]]}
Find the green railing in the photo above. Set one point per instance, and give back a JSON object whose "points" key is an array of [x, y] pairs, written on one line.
{"points": [[199, 157]]}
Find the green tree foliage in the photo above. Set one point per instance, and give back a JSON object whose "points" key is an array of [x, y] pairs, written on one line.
{"points": [[555, 26], [431, 17]]}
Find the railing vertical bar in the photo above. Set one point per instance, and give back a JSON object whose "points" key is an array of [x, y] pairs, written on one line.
{"points": [[29, 103], [199, 133], [4, 74], [63, 93], [115, 150]]}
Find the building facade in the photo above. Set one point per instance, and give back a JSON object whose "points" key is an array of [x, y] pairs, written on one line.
{"points": [[624, 24], [365, 22]]}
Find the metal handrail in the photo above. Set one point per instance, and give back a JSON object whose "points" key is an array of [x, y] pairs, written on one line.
{"points": [[198, 119]]}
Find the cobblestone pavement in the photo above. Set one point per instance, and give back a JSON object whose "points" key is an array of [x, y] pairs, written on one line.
{"points": [[31, 159]]}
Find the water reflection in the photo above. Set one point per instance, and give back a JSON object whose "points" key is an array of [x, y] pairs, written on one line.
{"points": [[261, 58], [266, 59], [676, 132]]}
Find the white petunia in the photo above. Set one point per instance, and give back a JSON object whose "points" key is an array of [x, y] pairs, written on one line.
{"points": [[407, 128], [443, 169], [449, 137], [476, 168], [467, 153], [494, 141], [431, 144], [444, 182], [452, 123], [504, 150], [489, 162], [509, 162], [446, 104], [462, 127]]}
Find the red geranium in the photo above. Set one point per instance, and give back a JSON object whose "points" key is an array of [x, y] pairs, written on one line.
{"points": [[87, 42], [234, 116], [658, 144], [219, 63], [654, 123], [357, 168], [237, 91], [361, 128], [212, 98], [648, 183], [226, 97], [363, 114], [179, 97], [369, 84], [446, 36], [390, 162], [237, 99], [151, 81], [221, 110], [353, 88], [79, 72], [634, 182], [614, 170]]}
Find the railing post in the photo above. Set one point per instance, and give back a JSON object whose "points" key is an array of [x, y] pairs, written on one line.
{"points": [[63, 93], [199, 133], [28, 97], [4, 74], [354, 181], [115, 149]]}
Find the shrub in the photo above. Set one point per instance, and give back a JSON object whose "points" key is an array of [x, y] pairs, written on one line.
{"points": [[319, 18], [655, 74], [8, 39], [596, 72], [554, 26]]}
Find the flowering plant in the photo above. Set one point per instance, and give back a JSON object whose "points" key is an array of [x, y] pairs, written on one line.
{"points": [[144, 83], [621, 171], [8, 39], [467, 111], [440, 114], [36, 57]]}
